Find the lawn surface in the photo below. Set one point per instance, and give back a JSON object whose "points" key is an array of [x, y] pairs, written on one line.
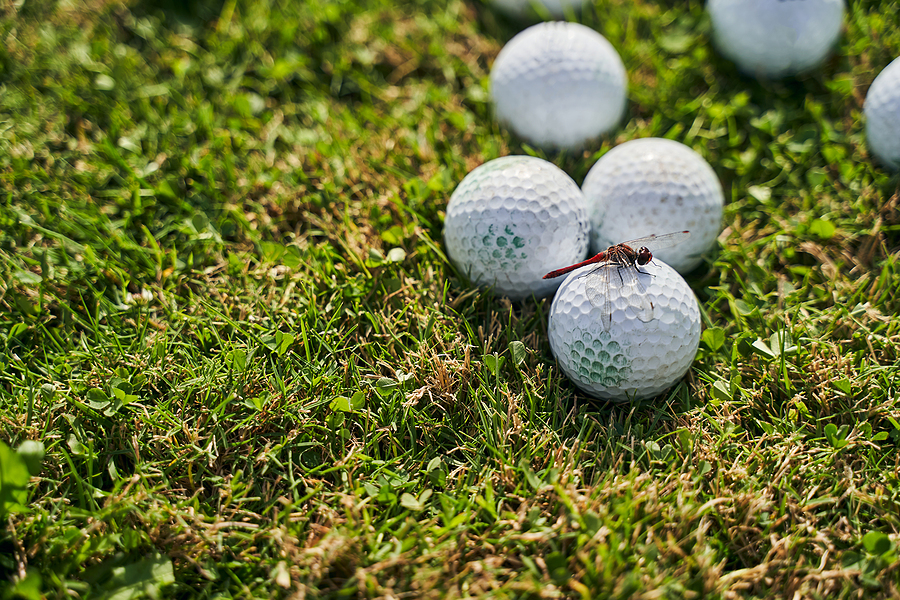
{"points": [[227, 313]]}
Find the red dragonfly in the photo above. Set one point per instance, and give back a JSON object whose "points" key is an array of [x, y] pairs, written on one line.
{"points": [[622, 261]]}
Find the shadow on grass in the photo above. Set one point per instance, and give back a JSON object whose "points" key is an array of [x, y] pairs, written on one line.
{"points": [[203, 11]]}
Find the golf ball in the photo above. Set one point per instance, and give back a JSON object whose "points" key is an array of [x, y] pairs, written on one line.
{"points": [[882, 111], [655, 186], [512, 220], [559, 85], [775, 38], [523, 8], [631, 359]]}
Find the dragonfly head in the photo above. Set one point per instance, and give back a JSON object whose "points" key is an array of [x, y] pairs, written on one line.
{"points": [[644, 255]]}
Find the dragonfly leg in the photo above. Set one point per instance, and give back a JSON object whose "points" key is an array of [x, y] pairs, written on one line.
{"points": [[638, 269]]}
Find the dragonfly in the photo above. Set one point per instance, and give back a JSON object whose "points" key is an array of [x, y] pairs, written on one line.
{"points": [[620, 266]]}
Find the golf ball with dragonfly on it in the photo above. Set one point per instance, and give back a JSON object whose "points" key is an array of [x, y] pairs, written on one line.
{"points": [[625, 357], [558, 85], [882, 112], [511, 220], [775, 38], [649, 185]]}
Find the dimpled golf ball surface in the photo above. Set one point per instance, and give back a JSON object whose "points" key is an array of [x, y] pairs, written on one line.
{"points": [[882, 111], [655, 186], [631, 360], [558, 85], [775, 38], [512, 220]]}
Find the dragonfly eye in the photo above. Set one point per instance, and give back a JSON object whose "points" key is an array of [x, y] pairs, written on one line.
{"points": [[644, 255]]}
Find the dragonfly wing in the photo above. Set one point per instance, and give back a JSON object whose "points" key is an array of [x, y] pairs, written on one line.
{"points": [[658, 242], [635, 294], [596, 287]]}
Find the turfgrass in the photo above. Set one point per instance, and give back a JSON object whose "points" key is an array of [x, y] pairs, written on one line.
{"points": [[227, 314]]}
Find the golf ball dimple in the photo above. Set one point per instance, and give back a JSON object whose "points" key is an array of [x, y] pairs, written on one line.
{"points": [[631, 359], [775, 38], [559, 85], [882, 112], [512, 220], [655, 186]]}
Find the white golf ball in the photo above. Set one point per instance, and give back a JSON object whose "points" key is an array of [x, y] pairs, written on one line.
{"points": [[775, 38], [522, 8], [512, 220], [882, 111], [655, 186], [631, 359], [559, 85]]}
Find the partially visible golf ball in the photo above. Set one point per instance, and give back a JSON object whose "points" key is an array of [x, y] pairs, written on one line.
{"points": [[523, 8], [882, 111], [655, 186], [632, 359], [776, 38], [512, 220], [559, 85]]}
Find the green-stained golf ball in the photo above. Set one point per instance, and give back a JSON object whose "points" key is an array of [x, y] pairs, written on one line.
{"points": [[631, 359], [512, 220]]}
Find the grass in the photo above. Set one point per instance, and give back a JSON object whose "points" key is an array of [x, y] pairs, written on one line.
{"points": [[226, 312]]}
